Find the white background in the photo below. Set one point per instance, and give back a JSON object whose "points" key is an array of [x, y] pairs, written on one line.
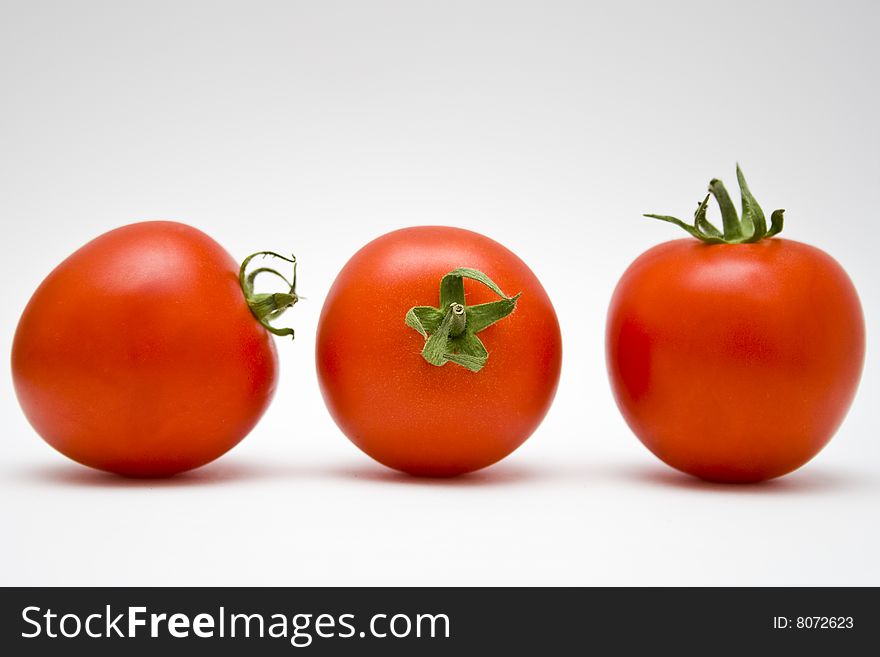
{"points": [[549, 126]]}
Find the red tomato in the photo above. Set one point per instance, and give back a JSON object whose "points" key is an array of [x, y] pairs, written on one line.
{"points": [[735, 362], [139, 354], [416, 416]]}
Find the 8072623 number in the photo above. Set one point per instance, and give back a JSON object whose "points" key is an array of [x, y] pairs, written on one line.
{"points": [[813, 623]]}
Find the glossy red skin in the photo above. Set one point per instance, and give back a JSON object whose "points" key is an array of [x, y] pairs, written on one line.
{"points": [[735, 363], [139, 355], [399, 409]]}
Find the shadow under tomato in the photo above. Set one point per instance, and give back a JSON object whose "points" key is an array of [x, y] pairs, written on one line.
{"points": [[497, 475], [810, 480], [208, 475]]}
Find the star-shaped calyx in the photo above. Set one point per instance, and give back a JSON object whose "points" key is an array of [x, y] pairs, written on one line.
{"points": [[748, 229], [268, 306], [450, 331]]}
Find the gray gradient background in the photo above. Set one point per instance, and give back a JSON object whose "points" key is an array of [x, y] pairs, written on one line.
{"points": [[550, 126]]}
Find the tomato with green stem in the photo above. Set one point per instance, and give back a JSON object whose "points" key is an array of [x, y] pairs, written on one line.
{"points": [[446, 389], [148, 352], [735, 356]]}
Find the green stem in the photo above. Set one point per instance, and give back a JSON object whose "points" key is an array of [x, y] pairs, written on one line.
{"points": [[267, 307], [450, 330], [751, 228], [459, 319]]}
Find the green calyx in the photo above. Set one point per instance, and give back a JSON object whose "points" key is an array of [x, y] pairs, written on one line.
{"points": [[450, 331], [267, 307], [750, 228]]}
